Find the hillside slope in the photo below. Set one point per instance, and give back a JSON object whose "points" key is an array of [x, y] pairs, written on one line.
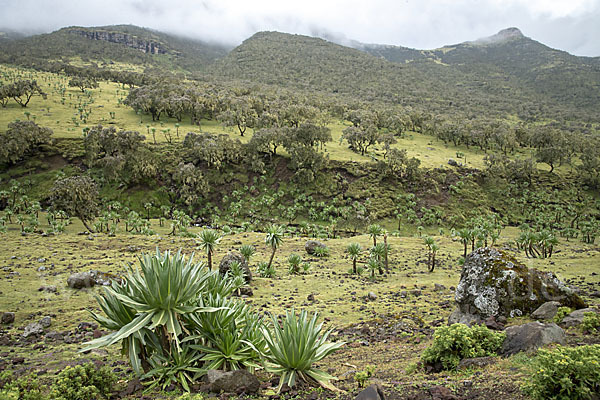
{"points": [[553, 75], [119, 43]]}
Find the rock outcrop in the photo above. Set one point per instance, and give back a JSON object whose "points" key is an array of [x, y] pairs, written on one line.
{"points": [[147, 46], [493, 283]]}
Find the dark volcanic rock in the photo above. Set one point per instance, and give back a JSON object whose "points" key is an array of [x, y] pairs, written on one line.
{"points": [[441, 393], [493, 283], [531, 336], [81, 280], [477, 362], [311, 245], [234, 256], [240, 381], [373, 392], [7, 317]]}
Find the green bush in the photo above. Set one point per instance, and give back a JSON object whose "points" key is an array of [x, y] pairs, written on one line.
{"points": [[455, 342], [83, 382], [561, 313], [591, 322], [21, 388], [565, 373]]}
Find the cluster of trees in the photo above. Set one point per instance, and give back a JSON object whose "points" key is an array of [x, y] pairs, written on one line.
{"points": [[21, 139], [20, 91]]}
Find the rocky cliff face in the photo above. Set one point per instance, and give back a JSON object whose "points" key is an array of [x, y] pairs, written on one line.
{"points": [[147, 46]]}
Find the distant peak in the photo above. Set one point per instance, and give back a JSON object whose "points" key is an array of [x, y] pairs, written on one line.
{"points": [[509, 33], [502, 36]]}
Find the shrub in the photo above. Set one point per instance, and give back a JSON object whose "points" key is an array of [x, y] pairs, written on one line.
{"points": [[453, 343], [565, 373], [561, 313], [361, 377], [294, 346], [83, 382], [591, 322], [21, 388]]}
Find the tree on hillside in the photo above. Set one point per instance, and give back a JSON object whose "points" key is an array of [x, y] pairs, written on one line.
{"points": [[240, 114], [76, 195], [83, 83], [361, 138], [20, 139], [23, 91]]}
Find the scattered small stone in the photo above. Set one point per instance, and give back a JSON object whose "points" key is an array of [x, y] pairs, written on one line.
{"points": [[87, 326], [476, 362], [48, 289], [310, 297], [7, 318], [438, 287], [371, 296], [441, 393], [373, 392], [33, 329], [18, 360], [546, 311], [81, 280], [239, 381], [46, 322], [54, 336], [492, 323]]}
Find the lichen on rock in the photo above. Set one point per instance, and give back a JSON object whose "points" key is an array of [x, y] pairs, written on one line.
{"points": [[493, 283]]}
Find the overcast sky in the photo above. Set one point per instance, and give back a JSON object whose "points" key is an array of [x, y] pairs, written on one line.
{"points": [[571, 25]]}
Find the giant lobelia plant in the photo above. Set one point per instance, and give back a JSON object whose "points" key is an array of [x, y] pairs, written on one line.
{"points": [[152, 310], [294, 346]]}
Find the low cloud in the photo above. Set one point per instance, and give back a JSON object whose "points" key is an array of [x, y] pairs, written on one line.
{"points": [[571, 26]]}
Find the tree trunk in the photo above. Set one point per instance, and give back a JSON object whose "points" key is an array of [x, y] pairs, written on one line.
{"points": [[387, 266], [272, 255], [86, 225], [209, 261], [354, 266]]}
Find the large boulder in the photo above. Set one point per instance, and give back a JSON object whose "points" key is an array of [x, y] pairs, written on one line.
{"points": [[531, 336], [493, 283], [311, 245], [234, 256], [239, 381], [81, 280]]}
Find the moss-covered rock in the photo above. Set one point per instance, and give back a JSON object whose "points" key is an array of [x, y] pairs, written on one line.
{"points": [[493, 283]]}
